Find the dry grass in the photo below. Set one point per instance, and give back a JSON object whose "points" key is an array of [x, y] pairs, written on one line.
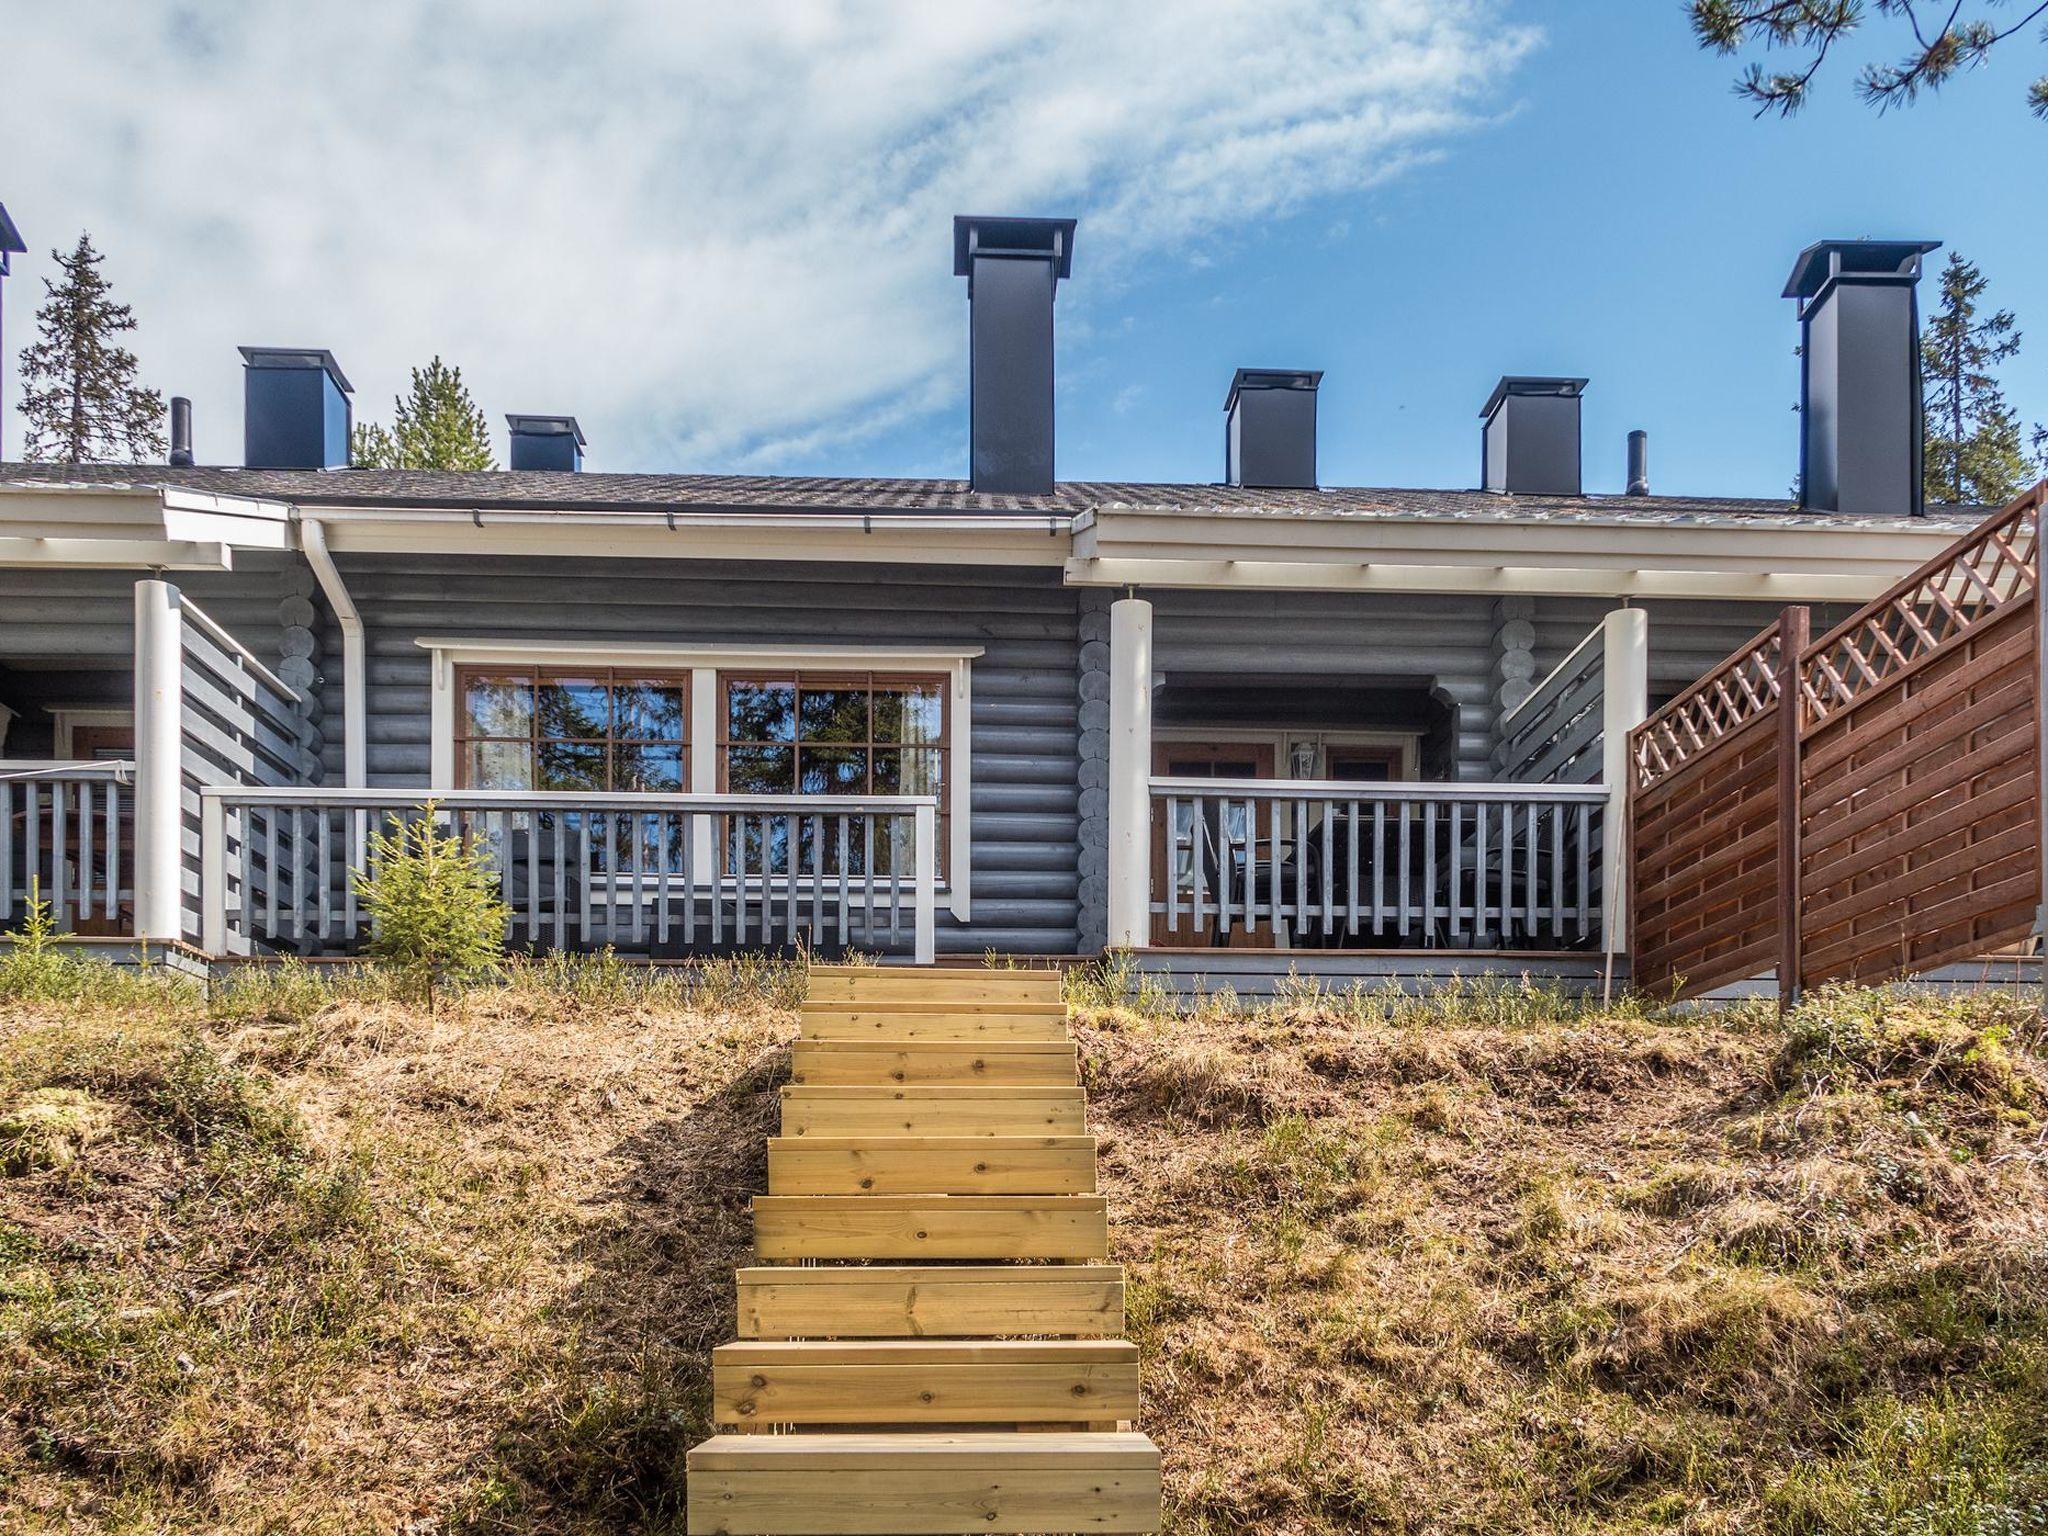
{"points": [[307, 1259]]}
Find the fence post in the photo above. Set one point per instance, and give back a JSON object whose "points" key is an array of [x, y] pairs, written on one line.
{"points": [[1130, 772], [926, 857], [159, 769], [1624, 705], [1794, 631], [213, 874]]}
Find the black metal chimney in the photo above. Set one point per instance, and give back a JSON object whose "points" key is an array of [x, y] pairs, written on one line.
{"points": [[545, 442], [1860, 443], [1270, 428], [1639, 463], [181, 432], [1012, 267], [11, 245], [295, 409], [1529, 445]]}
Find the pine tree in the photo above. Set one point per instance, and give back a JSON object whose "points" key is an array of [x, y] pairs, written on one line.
{"points": [[437, 426], [79, 397], [1975, 450]]}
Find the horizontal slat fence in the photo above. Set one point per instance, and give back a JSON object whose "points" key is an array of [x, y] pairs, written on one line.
{"points": [[662, 874], [62, 831], [1890, 825], [1339, 864]]}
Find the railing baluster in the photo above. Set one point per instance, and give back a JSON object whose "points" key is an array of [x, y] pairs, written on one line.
{"points": [[245, 867], [585, 875], [322, 862], [1429, 871], [1300, 924], [1556, 819], [1457, 841], [270, 881], [791, 863], [636, 829], [714, 877], [817, 877], [867, 864], [1329, 866], [60, 908], [1585, 865], [1483, 820], [85, 882], [611, 877], [1173, 841], [845, 900], [33, 887], [1379, 867], [1402, 889], [1351, 871], [112, 910], [7, 848]]}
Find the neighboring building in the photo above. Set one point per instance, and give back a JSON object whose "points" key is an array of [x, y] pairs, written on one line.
{"points": [[1052, 662]]}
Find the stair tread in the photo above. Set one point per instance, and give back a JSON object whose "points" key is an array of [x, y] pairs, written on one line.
{"points": [[916, 1274], [928, 1351], [1064, 1092], [911, 1449]]}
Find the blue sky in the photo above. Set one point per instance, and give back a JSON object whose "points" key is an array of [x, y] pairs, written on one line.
{"points": [[719, 234]]}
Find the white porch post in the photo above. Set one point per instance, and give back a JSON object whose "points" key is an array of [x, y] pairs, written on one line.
{"points": [[1130, 772], [1624, 705], [925, 883], [159, 815]]}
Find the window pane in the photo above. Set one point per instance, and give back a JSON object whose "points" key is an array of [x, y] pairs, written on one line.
{"points": [[498, 706], [648, 711], [760, 712], [912, 713], [647, 767], [761, 770], [912, 771], [571, 765], [835, 771], [574, 706], [835, 714], [499, 765]]}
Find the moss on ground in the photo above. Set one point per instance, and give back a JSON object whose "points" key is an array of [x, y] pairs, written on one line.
{"points": [[307, 1258]]}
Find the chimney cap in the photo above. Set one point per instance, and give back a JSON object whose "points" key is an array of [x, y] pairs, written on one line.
{"points": [[298, 357], [545, 426], [1272, 378], [1531, 384], [1825, 260], [985, 235]]}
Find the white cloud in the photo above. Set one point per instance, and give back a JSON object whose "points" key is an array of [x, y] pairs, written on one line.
{"points": [[718, 233]]}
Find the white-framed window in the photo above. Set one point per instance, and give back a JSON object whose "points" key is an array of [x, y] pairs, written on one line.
{"points": [[723, 719]]}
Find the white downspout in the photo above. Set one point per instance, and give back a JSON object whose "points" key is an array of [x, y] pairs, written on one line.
{"points": [[355, 743]]}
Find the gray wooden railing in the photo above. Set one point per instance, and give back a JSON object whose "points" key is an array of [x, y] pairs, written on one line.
{"points": [[1556, 734], [664, 873], [62, 827], [1338, 864]]}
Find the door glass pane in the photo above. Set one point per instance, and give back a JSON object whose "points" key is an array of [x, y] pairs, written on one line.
{"points": [[498, 706], [499, 765], [761, 770], [834, 714], [647, 767], [574, 706], [834, 771], [571, 765], [761, 712], [912, 713], [648, 711]]}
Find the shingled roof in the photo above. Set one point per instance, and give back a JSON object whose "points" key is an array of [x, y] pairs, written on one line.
{"points": [[595, 492]]}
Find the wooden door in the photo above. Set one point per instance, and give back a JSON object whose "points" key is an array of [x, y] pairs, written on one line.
{"points": [[1202, 760]]}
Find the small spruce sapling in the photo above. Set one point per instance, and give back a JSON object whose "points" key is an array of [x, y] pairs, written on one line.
{"points": [[432, 900]]}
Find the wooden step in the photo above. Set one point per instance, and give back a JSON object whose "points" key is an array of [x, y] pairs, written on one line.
{"points": [[933, 1021], [948, 1301], [1016, 1063], [931, 1165], [925, 1227], [892, 983], [879, 1110], [925, 1382], [922, 1484]]}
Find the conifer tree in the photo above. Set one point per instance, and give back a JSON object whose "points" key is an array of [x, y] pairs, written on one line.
{"points": [[79, 398], [1976, 450], [436, 425]]}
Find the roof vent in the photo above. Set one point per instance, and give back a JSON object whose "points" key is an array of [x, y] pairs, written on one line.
{"points": [[546, 442], [1859, 374], [1530, 441], [1012, 267], [181, 432], [295, 409], [1639, 463], [1270, 428]]}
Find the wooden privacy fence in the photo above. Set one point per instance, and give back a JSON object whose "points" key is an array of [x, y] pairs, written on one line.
{"points": [[1858, 807]]}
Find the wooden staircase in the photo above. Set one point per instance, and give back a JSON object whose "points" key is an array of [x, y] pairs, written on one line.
{"points": [[932, 1342]]}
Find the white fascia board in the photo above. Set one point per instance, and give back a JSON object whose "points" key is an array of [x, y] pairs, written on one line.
{"points": [[1490, 577], [484, 649], [117, 554], [903, 539], [244, 521]]}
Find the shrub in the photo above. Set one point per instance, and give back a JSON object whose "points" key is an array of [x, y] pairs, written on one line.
{"points": [[432, 899]]}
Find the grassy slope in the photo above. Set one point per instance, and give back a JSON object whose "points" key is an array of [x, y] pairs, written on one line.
{"points": [[311, 1264]]}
